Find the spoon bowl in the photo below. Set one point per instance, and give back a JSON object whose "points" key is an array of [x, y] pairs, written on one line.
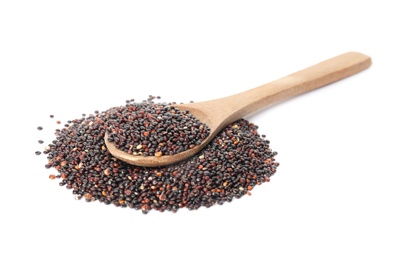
{"points": [[218, 113]]}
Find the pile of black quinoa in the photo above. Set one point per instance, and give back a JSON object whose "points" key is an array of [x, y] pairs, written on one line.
{"points": [[153, 129], [229, 167]]}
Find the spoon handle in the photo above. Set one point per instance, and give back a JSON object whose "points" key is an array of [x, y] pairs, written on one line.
{"points": [[316, 76]]}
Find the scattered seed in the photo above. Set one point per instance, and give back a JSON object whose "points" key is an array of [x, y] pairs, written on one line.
{"points": [[220, 172]]}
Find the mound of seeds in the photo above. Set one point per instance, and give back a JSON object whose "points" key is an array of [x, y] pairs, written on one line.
{"points": [[229, 167], [153, 129]]}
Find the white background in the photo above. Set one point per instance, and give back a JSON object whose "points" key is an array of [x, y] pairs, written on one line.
{"points": [[338, 191]]}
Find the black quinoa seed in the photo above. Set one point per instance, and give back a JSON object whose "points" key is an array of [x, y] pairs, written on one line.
{"points": [[40, 128], [37, 152], [229, 167], [40, 141], [151, 129]]}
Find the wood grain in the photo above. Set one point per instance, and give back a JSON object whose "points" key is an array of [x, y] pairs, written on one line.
{"points": [[219, 113]]}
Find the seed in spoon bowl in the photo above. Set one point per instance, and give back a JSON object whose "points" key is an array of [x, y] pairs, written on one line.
{"points": [[153, 129]]}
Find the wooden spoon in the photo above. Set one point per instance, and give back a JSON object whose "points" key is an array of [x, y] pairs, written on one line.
{"points": [[218, 113]]}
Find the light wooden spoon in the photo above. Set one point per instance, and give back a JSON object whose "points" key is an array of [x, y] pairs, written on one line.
{"points": [[218, 113]]}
